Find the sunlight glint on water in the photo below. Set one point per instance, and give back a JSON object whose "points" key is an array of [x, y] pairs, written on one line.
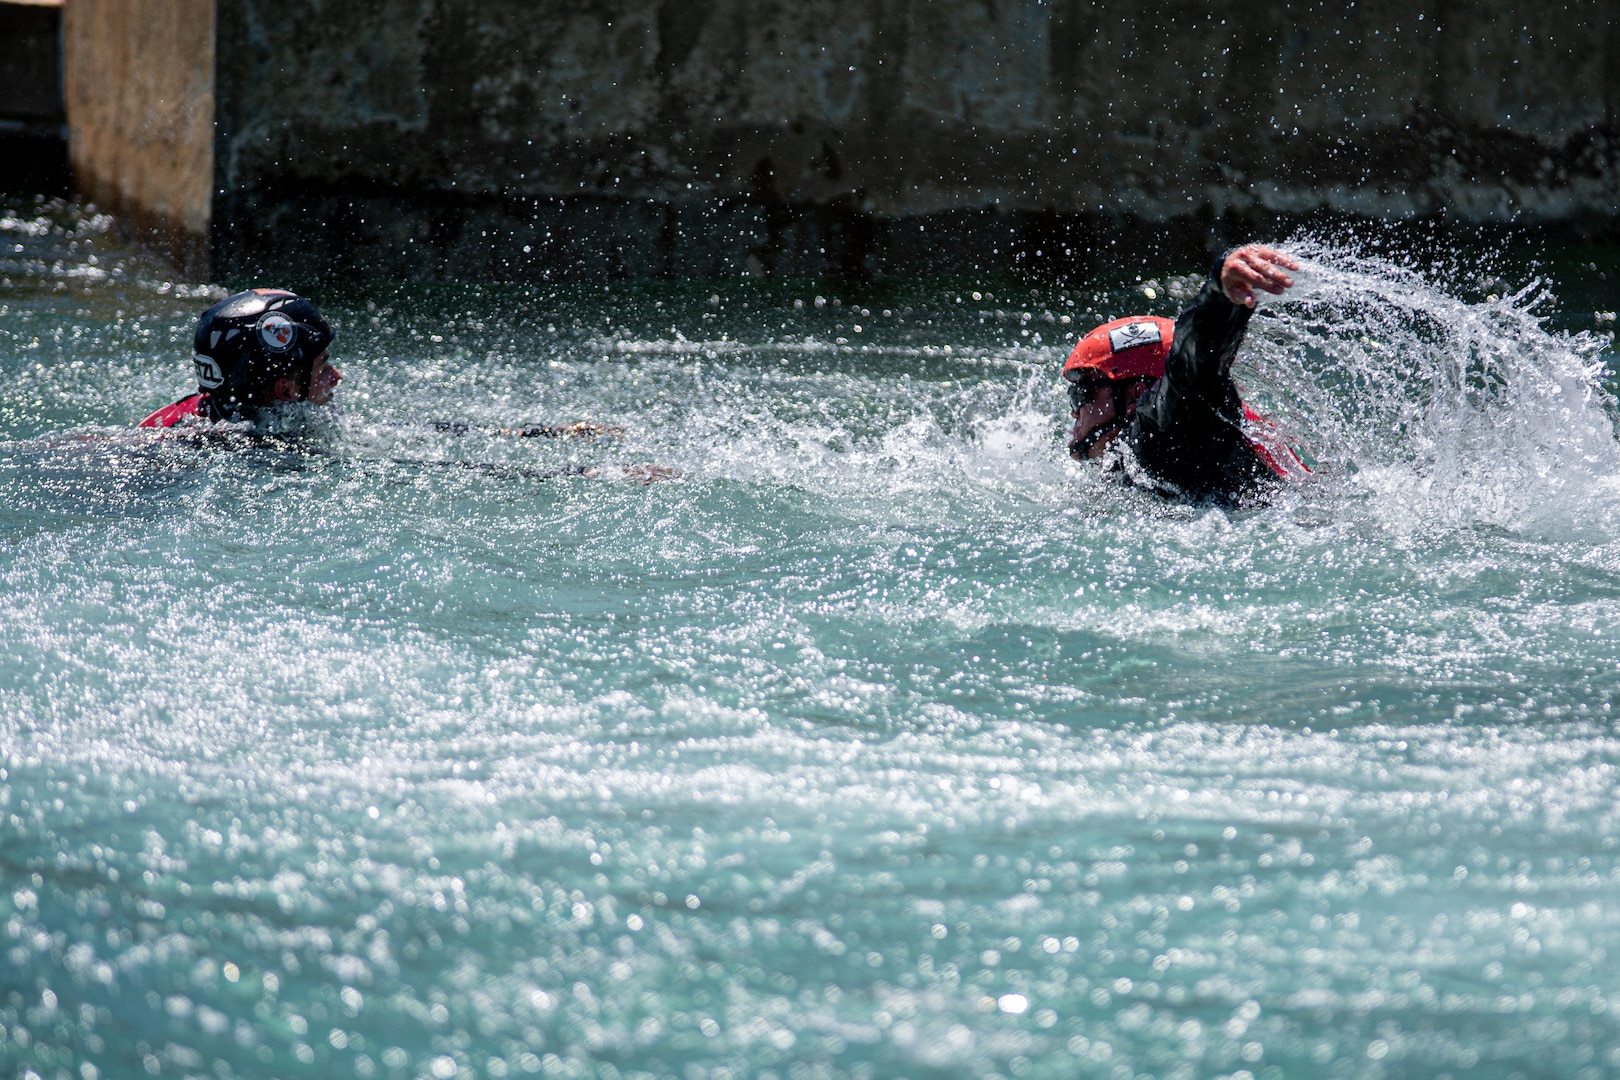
{"points": [[885, 742]]}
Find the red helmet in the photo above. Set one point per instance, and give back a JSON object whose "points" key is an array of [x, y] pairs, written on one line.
{"points": [[1129, 348]]}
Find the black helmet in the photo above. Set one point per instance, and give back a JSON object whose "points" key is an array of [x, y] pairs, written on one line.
{"points": [[248, 341]]}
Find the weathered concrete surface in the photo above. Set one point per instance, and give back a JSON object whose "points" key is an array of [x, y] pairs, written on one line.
{"points": [[139, 91], [518, 138], [526, 137]]}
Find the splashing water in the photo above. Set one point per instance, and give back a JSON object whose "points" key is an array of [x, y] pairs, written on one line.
{"points": [[885, 742], [1445, 409]]}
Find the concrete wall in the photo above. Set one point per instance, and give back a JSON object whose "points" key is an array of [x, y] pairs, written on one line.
{"points": [[33, 148], [533, 137], [527, 138], [139, 92]]}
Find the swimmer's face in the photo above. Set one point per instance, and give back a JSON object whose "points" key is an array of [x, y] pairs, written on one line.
{"points": [[323, 381], [1101, 408]]}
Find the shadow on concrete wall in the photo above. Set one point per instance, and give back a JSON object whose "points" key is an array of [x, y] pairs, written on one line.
{"points": [[33, 138], [317, 233]]}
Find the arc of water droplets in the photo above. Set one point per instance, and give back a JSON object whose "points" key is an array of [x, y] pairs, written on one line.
{"points": [[1465, 410]]}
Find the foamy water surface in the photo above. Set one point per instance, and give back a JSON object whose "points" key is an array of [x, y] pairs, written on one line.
{"points": [[882, 742]]}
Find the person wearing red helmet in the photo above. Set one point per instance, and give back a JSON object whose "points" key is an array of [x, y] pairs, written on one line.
{"points": [[1159, 394], [254, 350]]}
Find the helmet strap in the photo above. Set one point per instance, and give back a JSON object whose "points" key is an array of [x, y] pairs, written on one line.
{"points": [[303, 375]]}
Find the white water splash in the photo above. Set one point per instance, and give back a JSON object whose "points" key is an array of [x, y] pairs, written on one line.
{"points": [[1435, 407]]}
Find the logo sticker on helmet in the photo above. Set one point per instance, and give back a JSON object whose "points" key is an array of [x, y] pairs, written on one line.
{"points": [[1133, 334], [208, 373], [277, 332]]}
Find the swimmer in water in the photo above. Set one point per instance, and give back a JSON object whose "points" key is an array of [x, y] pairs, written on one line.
{"points": [[1155, 398], [252, 351], [268, 347], [264, 348]]}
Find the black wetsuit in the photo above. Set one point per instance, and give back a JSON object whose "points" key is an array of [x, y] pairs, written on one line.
{"points": [[1188, 435]]}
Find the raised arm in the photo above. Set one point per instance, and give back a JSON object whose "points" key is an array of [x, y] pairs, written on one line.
{"points": [[1189, 426]]}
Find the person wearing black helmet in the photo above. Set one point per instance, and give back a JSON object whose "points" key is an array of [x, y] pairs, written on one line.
{"points": [[267, 347], [1158, 398], [255, 350]]}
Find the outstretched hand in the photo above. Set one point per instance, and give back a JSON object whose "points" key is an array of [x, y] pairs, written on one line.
{"points": [[642, 474], [1252, 267], [579, 429]]}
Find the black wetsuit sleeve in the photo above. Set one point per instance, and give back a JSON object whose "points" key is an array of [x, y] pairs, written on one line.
{"points": [[1188, 430]]}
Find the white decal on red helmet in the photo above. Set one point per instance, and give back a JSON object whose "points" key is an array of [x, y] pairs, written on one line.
{"points": [[1133, 334]]}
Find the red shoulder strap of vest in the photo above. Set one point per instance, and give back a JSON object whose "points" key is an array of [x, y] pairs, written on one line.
{"points": [[170, 415], [1270, 447]]}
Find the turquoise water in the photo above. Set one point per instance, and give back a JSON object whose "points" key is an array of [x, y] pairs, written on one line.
{"points": [[883, 742]]}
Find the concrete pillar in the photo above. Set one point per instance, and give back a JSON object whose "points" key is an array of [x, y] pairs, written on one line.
{"points": [[138, 86]]}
